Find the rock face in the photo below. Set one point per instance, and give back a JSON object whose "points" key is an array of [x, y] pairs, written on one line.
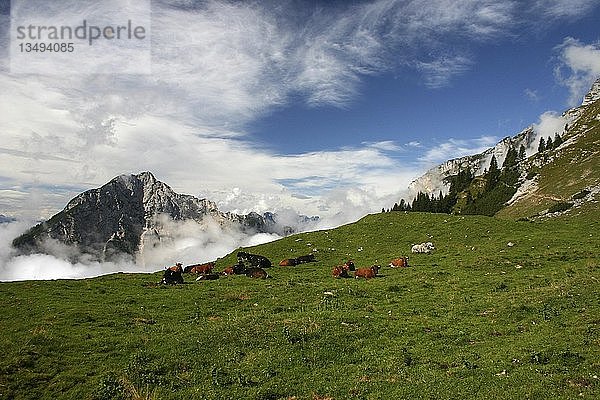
{"points": [[120, 217], [433, 181], [592, 95]]}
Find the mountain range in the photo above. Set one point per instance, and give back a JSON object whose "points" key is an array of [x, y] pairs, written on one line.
{"points": [[129, 213], [567, 174]]}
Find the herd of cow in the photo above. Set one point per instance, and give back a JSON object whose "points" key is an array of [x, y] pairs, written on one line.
{"points": [[253, 266]]}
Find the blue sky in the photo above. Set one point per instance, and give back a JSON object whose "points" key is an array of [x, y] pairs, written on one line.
{"points": [[509, 84], [327, 108]]}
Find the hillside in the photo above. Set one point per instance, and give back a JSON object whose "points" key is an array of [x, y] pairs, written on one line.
{"points": [[477, 318], [540, 183], [568, 174]]}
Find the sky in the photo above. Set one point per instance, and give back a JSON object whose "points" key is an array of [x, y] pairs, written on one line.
{"points": [[327, 108]]}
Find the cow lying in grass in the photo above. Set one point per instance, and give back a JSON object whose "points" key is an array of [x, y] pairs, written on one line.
{"points": [[422, 248], [341, 271], [205, 268], [240, 269], [173, 275], [237, 269], [367, 273], [258, 273], [254, 260], [290, 262], [399, 262]]}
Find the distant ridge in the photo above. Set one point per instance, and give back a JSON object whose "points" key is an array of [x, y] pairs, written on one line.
{"points": [[119, 217], [554, 179]]}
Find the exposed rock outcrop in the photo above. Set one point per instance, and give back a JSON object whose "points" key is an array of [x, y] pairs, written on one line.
{"points": [[127, 213]]}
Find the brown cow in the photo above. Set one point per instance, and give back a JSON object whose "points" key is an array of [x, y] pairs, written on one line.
{"points": [[256, 272], [288, 262], [367, 273], [205, 268], [227, 271], [340, 271], [176, 268], [399, 262]]}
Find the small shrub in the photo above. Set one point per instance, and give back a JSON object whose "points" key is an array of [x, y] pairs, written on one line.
{"points": [[570, 358], [540, 358], [531, 175], [581, 195], [503, 287], [394, 289], [560, 207], [293, 337]]}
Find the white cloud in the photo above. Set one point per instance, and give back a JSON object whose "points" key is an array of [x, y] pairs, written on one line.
{"points": [[549, 124], [532, 95], [455, 148], [579, 67], [570, 9], [439, 72]]}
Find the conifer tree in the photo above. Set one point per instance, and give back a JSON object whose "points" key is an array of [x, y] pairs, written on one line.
{"points": [[557, 140], [402, 205], [549, 144], [493, 174], [511, 158], [542, 145]]}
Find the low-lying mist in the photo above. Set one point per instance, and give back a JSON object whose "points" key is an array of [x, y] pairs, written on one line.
{"points": [[180, 241]]}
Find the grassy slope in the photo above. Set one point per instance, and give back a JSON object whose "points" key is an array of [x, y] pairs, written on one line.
{"points": [[573, 168], [475, 319]]}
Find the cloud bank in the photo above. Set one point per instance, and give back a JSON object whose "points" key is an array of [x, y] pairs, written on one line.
{"points": [[183, 241], [578, 67]]}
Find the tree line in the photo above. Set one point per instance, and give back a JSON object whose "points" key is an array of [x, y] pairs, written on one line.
{"points": [[482, 195]]}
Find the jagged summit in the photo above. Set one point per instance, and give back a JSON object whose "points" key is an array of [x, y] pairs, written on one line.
{"points": [[128, 213], [433, 181], [593, 94], [549, 178]]}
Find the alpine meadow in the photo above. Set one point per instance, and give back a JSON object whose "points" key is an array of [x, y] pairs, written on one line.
{"points": [[299, 200], [476, 318], [505, 306]]}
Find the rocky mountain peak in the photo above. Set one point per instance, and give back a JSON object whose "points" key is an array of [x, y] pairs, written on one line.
{"points": [[433, 181], [593, 94], [128, 213]]}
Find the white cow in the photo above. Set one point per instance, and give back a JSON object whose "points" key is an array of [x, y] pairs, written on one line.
{"points": [[422, 248]]}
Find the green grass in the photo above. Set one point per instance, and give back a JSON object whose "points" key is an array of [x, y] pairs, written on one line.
{"points": [[474, 319]]}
